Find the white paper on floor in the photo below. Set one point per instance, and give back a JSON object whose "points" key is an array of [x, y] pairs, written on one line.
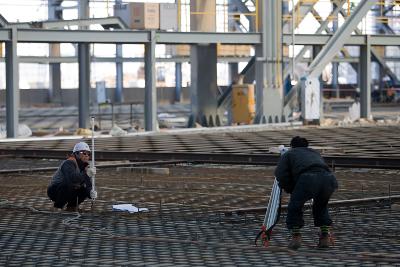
{"points": [[129, 208]]}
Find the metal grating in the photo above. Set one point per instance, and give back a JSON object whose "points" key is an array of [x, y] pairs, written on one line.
{"points": [[188, 223]]}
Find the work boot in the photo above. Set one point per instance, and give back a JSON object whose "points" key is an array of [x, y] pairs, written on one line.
{"points": [[325, 241], [295, 243]]}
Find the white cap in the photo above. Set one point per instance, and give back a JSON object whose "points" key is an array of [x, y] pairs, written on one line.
{"points": [[81, 146]]}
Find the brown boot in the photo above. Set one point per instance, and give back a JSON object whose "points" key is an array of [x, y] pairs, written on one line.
{"points": [[295, 243], [325, 241]]}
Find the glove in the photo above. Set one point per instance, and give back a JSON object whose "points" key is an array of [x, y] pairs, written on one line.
{"points": [[93, 194], [282, 149], [91, 171]]}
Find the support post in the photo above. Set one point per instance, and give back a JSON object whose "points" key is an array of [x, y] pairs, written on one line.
{"points": [[335, 65], [203, 87], [84, 84], [365, 79], [119, 79], [150, 97], [12, 85], [269, 86], [178, 81], [84, 71], [315, 51], [119, 83], [55, 13]]}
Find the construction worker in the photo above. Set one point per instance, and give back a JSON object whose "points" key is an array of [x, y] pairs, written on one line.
{"points": [[302, 172], [71, 184]]}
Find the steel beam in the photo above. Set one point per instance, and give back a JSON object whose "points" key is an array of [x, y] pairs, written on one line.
{"points": [[339, 38], [141, 37], [150, 98], [82, 36], [376, 56], [3, 22], [207, 38], [12, 85], [301, 9], [128, 37], [322, 39], [105, 22], [243, 9], [177, 59], [321, 28]]}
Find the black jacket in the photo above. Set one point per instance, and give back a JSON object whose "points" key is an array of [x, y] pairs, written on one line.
{"points": [[296, 162], [72, 173]]}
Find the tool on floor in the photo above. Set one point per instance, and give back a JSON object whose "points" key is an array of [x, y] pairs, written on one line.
{"points": [[273, 210], [93, 192]]}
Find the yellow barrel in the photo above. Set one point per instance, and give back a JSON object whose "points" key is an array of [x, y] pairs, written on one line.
{"points": [[243, 104]]}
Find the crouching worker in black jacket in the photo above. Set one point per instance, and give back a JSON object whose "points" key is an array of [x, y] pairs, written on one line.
{"points": [[71, 184], [303, 173]]}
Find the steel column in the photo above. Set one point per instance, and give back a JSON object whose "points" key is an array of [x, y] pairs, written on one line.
{"points": [[12, 85], [150, 97], [365, 80], [234, 78], [55, 77], [203, 87], [335, 65], [269, 101], [83, 11], [84, 84], [178, 81], [84, 70], [315, 52], [54, 13], [119, 79], [233, 72]]}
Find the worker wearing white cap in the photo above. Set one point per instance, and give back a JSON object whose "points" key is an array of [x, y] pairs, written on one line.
{"points": [[71, 184]]}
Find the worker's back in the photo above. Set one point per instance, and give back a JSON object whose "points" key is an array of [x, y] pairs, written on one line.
{"points": [[303, 159]]}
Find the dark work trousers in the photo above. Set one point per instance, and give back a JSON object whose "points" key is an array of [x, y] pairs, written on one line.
{"points": [[317, 185], [66, 194]]}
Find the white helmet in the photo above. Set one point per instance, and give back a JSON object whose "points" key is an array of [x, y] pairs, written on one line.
{"points": [[81, 146]]}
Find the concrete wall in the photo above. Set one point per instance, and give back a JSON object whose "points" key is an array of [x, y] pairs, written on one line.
{"points": [[37, 97]]}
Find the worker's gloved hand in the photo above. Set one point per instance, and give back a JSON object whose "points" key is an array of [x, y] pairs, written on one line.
{"points": [[93, 194], [282, 149], [91, 171]]}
